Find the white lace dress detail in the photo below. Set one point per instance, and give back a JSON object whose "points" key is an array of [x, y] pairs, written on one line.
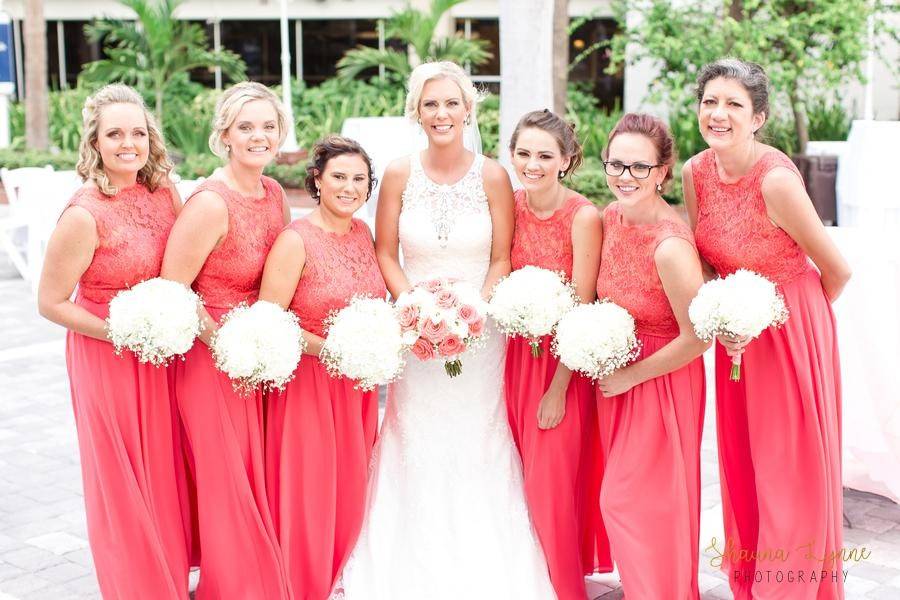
{"points": [[447, 518]]}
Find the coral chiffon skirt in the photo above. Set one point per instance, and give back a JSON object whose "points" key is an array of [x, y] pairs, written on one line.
{"points": [[123, 414], [650, 496], [319, 438], [562, 467], [779, 431], [224, 429]]}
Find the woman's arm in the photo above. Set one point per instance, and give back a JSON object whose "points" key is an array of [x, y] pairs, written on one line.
{"points": [[587, 239], [790, 208], [199, 229], [70, 251], [387, 226], [500, 202], [282, 273], [690, 203], [681, 276]]}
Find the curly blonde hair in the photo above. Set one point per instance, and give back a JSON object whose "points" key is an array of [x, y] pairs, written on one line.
{"points": [[231, 103], [90, 164]]}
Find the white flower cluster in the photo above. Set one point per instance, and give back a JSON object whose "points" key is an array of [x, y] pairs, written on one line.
{"points": [[530, 301], [742, 304], [156, 319], [364, 343], [258, 345], [596, 339]]}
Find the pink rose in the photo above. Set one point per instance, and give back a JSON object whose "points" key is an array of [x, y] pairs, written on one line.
{"points": [[423, 349], [451, 346], [468, 313], [434, 332], [476, 328], [446, 299], [432, 285], [409, 315]]}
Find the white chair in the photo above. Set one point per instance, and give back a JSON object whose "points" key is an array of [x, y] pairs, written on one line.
{"points": [[45, 201], [186, 187], [14, 226]]}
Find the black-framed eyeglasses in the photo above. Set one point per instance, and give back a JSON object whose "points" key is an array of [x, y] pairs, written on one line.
{"points": [[615, 168]]}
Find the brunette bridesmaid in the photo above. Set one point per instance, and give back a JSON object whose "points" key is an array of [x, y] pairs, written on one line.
{"points": [[218, 246], [651, 412], [779, 427], [320, 430], [552, 413], [111, 236]]}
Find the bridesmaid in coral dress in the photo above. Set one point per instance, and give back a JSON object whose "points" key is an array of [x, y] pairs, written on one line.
{"points": [[219, 245], [779, 427], [552, 413], [111, 236], [651, 412], [320, 430]]}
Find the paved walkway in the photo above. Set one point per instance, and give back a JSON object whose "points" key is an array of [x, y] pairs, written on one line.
{"points": [[43, 543]]}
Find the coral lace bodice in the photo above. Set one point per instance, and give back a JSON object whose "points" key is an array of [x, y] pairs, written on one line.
{"points": [[338, 267], [233, 271], [628, 274], [132, 228], [545, 243], [733, 228]]}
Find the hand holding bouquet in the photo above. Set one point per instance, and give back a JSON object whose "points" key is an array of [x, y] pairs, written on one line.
{"points": [[529, 302], [156, 319], [596, 339], [440, 318], [742, 304], [364, 343], [258, 345]]}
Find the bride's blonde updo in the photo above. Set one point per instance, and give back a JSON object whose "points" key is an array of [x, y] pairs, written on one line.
{"points": [[440, 70]]}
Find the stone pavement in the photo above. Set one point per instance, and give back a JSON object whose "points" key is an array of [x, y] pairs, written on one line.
{"points": [[44, 552]]}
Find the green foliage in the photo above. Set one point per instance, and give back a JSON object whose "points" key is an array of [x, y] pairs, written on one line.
{"points": [[807, 48], [64, 112], [416, 29], [489, 124], [321, 110], [17, 158], [189, 123], [590, 181], [195, 166], [151, 52], [828, 120], [592, 123]]}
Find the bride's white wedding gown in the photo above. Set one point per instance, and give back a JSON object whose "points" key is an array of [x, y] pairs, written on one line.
{"points": [[447, 517]]}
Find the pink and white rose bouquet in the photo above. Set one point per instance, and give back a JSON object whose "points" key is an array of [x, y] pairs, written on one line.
{"points": [[440, 319]]}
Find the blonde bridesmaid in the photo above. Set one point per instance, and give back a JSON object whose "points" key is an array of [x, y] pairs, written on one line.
{"points": [[111, 236], [219, 245]]}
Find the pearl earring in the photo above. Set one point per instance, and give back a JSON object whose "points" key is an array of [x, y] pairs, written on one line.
{"points": [[659, 187]]}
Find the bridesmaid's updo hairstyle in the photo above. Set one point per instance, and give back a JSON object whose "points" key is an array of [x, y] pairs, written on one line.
{"points": [[439, 70], [652, 128], [331, 147], [751, 76], [563, 132], [231, 103], [90, 164]]}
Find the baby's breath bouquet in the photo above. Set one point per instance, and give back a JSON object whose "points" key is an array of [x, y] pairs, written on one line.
{"points": [[156, 319], [742, 304], [596, 339], [364, 343], [258, 345], [529, 302]]}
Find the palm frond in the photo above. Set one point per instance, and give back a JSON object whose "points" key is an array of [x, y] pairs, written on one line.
{"points": [[361, 58], [460, 50]]}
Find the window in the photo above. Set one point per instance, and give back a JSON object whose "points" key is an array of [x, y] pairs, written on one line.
{"points": [[325, 42], [607, 88]]}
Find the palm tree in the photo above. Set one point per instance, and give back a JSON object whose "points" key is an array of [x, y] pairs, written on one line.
{"points": [[36, 103], [151, 51], [417, 30]]}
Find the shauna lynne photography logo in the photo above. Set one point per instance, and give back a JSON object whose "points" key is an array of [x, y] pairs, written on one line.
{"points": [[819, 567]]}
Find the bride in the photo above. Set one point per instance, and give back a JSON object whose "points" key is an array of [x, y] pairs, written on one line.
{"points": [[447, 517]]}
